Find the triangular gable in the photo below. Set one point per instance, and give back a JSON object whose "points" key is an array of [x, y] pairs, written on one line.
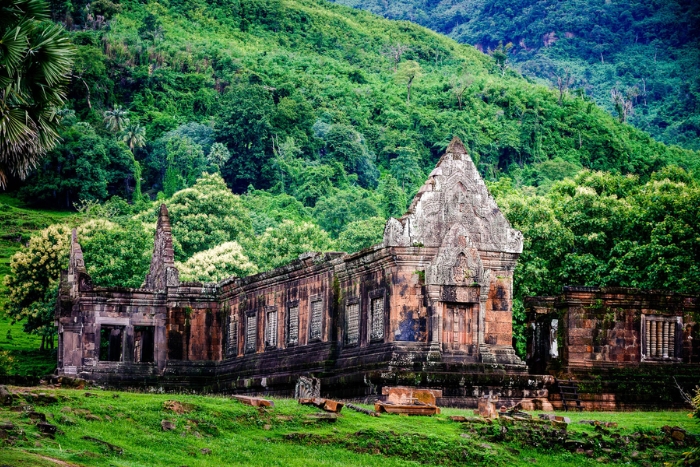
{"points": [[454, 194]]}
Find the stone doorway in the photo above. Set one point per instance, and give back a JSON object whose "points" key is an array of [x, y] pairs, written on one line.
{"points": [[460, 325]]}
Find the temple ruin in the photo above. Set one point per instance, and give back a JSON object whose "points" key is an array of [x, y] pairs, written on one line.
{"points": [[631, 347], [430, 306]]}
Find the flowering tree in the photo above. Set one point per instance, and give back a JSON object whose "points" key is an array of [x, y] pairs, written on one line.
{"points": [[218, 263]]}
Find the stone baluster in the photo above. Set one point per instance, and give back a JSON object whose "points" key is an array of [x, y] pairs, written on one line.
{"points": [[665, 337], [648, 338], [672, 339]]}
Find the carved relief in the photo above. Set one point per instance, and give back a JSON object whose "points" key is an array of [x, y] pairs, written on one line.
{"points": [[454, 194]]}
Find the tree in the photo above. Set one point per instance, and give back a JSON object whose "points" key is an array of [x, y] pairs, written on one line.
{"points": [[35, 63], [500, 56], [207, 215], [395, 52], [118, 255], [218, 155], [459, 85], [393, 198], [361, 234], [134, 136], [185, 164], [408, 72], [244, 126], [116, 119], [343, 207], [215, 264], [34, 274], [279, 245], [623, 102], [345, 145], [84, 166], [405, 168]]}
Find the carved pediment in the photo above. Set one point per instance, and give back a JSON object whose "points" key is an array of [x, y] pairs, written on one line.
{"points": [[454, 194]]}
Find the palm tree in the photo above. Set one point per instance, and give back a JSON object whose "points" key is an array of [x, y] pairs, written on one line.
{"points": [[117, 119], [35, 63], [134, 136]]}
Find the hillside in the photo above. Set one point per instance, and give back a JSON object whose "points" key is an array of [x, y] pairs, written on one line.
{"points": [[648, 51], [285, 84], [96, 427]]}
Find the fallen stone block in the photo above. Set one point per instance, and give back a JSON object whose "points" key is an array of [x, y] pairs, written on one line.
{"points": [[68, 382], [559, 424], [36, 417], [328, 405], [566, 420], [254, 401], [402, 395], [548, 416], [458, 418], [405, 409]]}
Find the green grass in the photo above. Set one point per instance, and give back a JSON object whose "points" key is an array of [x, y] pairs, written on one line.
{"points": [[17, 224], [238, 434]]}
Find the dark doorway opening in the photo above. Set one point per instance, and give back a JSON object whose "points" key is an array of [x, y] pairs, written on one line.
{"points": [[111, 338], [143, 344]]}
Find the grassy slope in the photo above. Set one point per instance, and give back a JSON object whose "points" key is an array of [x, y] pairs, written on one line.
{"points": [[242, 435], [17, 223]]}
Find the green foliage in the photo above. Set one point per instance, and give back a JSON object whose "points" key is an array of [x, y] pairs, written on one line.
{"points": [[336, 211], [84, 166], [601, 229], [279, 245], [218, 263], [638, 60], [35, 63], [361, 234], [34, 269], [393, 197], [119, 255], [207, 215], [7, 363]]}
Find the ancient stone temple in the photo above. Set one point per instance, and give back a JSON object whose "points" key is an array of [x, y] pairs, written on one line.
{"points": [[631, 347], [429, 306]]}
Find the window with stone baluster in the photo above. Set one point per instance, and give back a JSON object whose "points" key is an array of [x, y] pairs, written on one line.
{"points": [[352, 322], [271, 328], [316, 324], [251, 332], [661, 338], [232, 342], [377, 319]]}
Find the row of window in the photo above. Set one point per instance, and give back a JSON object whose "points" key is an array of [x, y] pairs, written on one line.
{"points": [[352, 334]]}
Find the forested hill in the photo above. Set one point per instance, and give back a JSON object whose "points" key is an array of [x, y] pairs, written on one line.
{"points": [[306, 96], [647, 51]]}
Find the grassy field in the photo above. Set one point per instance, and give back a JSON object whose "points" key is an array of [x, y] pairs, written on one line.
{"points": [[219, 431], [17, 224]]}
